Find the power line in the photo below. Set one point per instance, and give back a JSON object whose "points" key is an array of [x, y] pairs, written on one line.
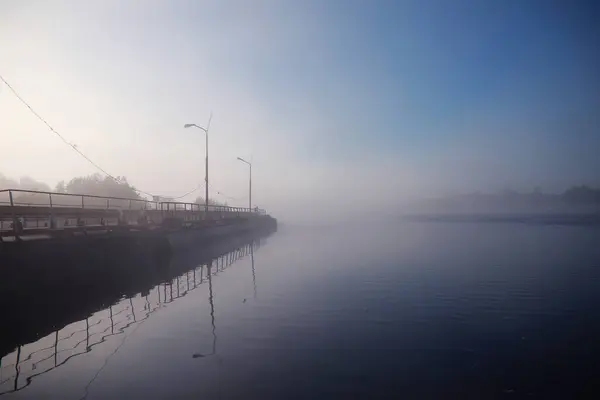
{"points": [[61, 137], [188, 193], [73, 146], [210, 186]]}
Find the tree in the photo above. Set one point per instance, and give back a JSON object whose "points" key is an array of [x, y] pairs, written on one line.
{"points": [[7, 183], [61, 187], [94, 185], [24, 183], [98, 185]]}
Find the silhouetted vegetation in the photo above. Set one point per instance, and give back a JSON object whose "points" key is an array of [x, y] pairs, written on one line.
{"points": [[98, 185], [25, 183], [94, 184], [582, 195], [583, 198]]}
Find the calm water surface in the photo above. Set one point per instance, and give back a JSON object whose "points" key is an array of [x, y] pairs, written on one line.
{"points": [[398, 310]]}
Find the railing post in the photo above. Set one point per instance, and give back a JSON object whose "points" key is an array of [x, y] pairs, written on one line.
{"points": [[52, 225], [14, 215], [79, 221]]}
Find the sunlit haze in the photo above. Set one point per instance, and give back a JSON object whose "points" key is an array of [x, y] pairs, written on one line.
{"points": [[340, 105]]}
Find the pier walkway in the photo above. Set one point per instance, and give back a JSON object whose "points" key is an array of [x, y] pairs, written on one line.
{"points": [[30, 214]]}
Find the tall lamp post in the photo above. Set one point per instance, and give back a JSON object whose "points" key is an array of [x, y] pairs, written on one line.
{"points": [[250, 183], [206, 166]]}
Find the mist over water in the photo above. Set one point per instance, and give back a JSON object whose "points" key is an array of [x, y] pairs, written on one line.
{"points": [[341, 108], [433, 166], [400, 308]]}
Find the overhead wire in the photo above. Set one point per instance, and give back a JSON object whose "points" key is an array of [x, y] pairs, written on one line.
{"points": [[38, 116], [188, 193], [74, 146], [210, 186]]}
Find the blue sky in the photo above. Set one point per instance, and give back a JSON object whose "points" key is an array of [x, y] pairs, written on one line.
{"points": [[335, 99], [419, 78]]}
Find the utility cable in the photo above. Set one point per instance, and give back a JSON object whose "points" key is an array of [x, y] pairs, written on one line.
{"points": [[72, 145]]}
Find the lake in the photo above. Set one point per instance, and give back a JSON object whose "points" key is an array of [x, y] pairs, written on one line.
{"points": [[372, 310]]}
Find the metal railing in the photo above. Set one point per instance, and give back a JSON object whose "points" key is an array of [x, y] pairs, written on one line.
{"points": [[53, 199], [16, 205]]}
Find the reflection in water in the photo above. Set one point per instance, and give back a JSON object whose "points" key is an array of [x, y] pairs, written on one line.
{"points": [[211, 301], [36, 362], [253, 270], [19, 368]]}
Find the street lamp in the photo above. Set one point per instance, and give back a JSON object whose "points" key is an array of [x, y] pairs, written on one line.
{"points": [[250, 184], [206, 167]]}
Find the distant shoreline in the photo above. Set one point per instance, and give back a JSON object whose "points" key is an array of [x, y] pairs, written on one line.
{"points": [[577, 219]]}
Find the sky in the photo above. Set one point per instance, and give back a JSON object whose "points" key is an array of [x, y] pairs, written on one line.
{"points": [[340, 105]]}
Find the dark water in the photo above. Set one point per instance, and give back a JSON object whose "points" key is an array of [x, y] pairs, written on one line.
{"points": [[397, 310]]}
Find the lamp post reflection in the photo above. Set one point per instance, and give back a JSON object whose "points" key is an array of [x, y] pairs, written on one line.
{"points": [[253, 270], [212, 313]]}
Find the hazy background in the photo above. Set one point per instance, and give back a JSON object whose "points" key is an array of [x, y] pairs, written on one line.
{"points": [[341, 105]]}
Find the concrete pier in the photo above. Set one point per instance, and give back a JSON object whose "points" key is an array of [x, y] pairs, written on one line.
{"points": [[86, 260], [58, 262]]}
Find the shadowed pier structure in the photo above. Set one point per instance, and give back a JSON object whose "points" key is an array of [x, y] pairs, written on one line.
{"points": [[45, 328], [90, 242]]}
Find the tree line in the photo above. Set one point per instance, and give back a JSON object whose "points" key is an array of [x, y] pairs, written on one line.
{"points": [[581, 197], [94, 184]]}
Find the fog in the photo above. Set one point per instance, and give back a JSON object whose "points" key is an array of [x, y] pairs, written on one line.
{"points": [[343, 109]]}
